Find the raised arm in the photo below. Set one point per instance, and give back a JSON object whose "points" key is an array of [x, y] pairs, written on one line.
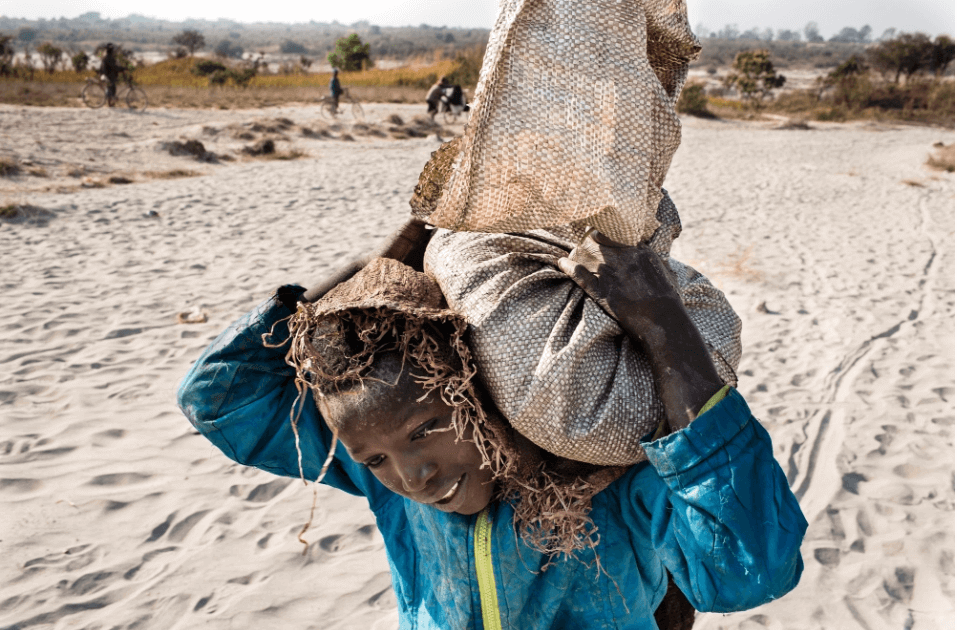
{"points": [[241, 395], [634, 286], [723, 520]]}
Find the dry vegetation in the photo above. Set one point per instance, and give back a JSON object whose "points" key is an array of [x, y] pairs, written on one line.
{"points": [[942, 158]]}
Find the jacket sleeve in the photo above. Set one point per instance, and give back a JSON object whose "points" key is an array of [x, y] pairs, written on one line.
{"points": [[239, 395], [723, 520]]}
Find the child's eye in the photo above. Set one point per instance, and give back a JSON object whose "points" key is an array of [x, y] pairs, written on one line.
{"points": [[424, 430], [375, 462]]}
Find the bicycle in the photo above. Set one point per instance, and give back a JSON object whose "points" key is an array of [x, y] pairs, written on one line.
{"points": [[94, 94], [327, 109]]}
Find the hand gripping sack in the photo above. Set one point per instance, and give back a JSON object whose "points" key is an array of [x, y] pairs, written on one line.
{"points": [[558, 367]]}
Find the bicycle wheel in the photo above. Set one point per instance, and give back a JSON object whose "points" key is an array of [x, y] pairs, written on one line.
{"points": [[449, 117], [327, 110], [93, 95], [136, 99], [357, 112]]}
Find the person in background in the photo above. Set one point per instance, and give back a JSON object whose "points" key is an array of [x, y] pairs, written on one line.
{"points": [[434, 96], [335, 89], [111, 69]]}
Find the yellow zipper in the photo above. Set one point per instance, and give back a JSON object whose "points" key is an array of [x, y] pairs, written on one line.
{"points": [[483, 570]]}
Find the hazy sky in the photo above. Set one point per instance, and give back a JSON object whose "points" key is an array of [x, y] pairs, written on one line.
{"points": [[930, 16]]}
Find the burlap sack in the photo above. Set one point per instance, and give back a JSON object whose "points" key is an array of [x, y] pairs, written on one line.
{"points": [[557, 366], [573, 119]]}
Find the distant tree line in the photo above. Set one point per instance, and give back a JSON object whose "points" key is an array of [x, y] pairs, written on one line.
{"points": [[810, 33]]}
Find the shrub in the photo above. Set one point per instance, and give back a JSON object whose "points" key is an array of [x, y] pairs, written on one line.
{"points": [[693, 101], [190, 40], [228, 50], [350, 54], [206, 67], [80, 61], [50, 56], [754, 75], [6, 55], [290, 47]]}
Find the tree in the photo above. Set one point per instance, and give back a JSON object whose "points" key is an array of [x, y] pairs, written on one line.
{"points": [[6, 55], [50, 56], [850, 35], [847, 80], [290, 47], [753, 74], [812, 34], [80, 61], [887, 34], [941, 54], [350, 54], [906, 54], [786, 35], [730, 31], [228, 50], [190, 40], [26, 34]]}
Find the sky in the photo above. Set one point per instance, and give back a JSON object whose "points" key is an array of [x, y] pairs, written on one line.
{"points": [[930, 16]]}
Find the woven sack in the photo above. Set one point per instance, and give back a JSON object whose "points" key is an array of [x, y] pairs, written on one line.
{"points": [[573, 119], [557, 366]]}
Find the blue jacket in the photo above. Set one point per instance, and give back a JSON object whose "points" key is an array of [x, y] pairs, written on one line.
{"points": [[711, 507]]}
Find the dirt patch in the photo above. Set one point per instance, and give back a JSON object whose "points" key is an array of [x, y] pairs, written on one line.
{"points": [[263, 147], [942, 159], [193, 148]]}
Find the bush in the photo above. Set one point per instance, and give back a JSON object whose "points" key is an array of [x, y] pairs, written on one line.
{"points": [[80, 61], [290, 47], [207, 67], [754, 75], [50, 55], [693, 101], [228, 50], [6, 55], [190, 40], [350, 54]]}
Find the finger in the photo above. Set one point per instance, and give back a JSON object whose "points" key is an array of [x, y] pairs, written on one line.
{"points": [[580, 275]]}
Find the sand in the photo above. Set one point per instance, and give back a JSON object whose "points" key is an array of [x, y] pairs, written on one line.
{"points": [[835, 244]]}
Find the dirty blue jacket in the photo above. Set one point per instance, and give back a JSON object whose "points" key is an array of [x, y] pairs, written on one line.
{"points": [[711, 507]]}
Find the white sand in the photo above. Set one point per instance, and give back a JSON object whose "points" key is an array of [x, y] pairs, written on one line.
{"points": [[117, 515]]}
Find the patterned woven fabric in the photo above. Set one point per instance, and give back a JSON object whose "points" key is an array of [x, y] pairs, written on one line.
{"points": [[558, 367], [573, 119]]}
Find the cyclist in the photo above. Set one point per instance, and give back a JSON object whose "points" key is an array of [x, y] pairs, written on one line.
{"points": [[111, 69], [335, 89], [434, 97]]}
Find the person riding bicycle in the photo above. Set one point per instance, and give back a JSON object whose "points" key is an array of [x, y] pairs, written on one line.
{"points": [[434, 96], [111, 69], [335, 89]]}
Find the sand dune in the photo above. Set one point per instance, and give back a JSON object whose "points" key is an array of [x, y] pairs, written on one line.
{"points": [[836, 245]]}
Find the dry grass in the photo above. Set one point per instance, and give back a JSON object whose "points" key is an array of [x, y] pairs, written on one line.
{"points": [[943, 158], [294, 154], [173, 174], [172, 84], [9, 167]]}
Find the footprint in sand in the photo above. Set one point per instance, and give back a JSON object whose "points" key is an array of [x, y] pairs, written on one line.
{"points": [[338, 543]]}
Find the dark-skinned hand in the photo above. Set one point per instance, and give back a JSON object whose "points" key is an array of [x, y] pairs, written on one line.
{"points": [[635, 287]]}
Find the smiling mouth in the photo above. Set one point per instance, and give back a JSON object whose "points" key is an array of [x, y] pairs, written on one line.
{"points": [[451, 493]]}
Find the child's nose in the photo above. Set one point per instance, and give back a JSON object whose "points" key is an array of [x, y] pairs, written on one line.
{"points": [[416, 475]]}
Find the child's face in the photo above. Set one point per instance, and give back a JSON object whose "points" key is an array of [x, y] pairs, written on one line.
{"points": [[402, 442]]}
